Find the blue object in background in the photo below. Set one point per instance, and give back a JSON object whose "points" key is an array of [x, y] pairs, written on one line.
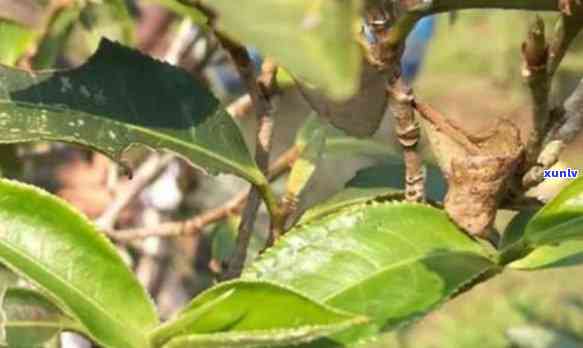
{"points": [[416, 47], [226, 79]]}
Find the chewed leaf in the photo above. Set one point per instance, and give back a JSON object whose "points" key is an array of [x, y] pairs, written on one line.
{"points": [[120, 98]]}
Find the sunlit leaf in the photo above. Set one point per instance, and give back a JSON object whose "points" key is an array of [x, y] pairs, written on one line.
{"points": [[251, 314], [560, 220], [45, 241], [392, 262]]}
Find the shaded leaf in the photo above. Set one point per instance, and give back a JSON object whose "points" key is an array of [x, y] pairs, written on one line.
{"points": [[392, 262], [381, 182], [251, 314], [515, 229], [120, 98], [560, 220], [314, 40], [7, 279], [32, 319], [362, 113], [47, 242]]}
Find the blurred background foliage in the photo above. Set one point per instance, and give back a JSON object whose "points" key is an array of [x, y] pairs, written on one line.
{"points": [[470, 71]]}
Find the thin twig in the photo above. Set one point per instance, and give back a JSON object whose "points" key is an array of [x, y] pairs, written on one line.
{"points": [[146, 173], [196, 224], [446, 126], [261, 91]]}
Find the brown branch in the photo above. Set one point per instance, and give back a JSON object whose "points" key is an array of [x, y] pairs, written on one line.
{"points": [[535, 54], [261, 91], [401, 105], [446, 126], [196, 224]]}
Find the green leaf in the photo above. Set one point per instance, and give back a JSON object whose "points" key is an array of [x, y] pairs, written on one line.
{"points": [[392, 262], [560, 220], [515, 229], [59, 28], [566, 254], [7, 279], [120, 98], [45, 241], [15, 40], [310, 142], [251, 314], [32, 319], [313, 39], [381, 182]]}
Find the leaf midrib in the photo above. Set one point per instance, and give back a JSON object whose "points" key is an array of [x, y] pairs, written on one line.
{"points": [[74, 289], [178, 141], [397, 265]]}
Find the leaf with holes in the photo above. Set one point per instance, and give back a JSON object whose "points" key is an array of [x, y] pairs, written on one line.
{"points": [[251, 314], [45, 241], [392, 262], [120, 98]]}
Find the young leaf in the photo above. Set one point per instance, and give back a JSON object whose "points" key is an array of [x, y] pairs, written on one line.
{"points": [[45, 241], [32, 320], [560, 220], [392, 262], [251, 314], [120, 98], [310, 142], [313, 39]]}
